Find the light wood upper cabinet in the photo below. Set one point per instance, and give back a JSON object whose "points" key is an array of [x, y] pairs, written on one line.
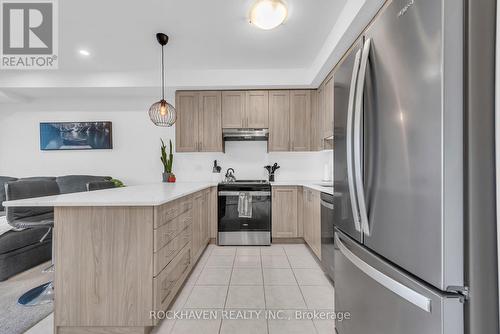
{"points": [[186, 125], [328, 106], [233, 109], [257, 109], [279, 120], [198, 127], [316, 127], [284, 212], [300, 120], [210, 122]]}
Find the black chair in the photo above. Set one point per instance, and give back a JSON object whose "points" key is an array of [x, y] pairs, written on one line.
{"points": [[99, 185], [32, 217]]}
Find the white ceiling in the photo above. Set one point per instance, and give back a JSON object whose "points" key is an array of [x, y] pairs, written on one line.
{"points": [[212, 45], [204, 34]]}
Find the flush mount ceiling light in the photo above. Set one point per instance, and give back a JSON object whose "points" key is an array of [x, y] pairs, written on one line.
{"points": [[84, 52], [162, 113], [268, 14]]}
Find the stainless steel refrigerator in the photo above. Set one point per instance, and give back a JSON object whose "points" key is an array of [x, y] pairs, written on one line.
{"points": [[402, 164]]}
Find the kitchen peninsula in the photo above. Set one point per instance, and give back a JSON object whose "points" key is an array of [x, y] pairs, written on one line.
{"points": [[122, 253]]}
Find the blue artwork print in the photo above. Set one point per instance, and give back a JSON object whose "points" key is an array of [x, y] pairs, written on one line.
{"points": [[76, 136]]}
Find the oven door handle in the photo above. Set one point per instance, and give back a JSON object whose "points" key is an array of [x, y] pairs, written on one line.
{"points": [[237, 193]]}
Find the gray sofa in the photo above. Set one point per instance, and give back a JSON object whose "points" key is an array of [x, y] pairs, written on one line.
{"points": [[21, 250]]}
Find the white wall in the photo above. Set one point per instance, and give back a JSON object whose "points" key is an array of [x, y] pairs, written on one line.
{"points": [[135, 156]]}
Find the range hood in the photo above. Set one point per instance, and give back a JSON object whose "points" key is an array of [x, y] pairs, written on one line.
{"points": [[245, 134]]}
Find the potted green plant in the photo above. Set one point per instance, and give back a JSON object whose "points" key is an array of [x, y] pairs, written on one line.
{"points": [[168, 176]]}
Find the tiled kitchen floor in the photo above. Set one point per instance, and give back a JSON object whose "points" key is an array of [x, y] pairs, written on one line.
{"points": [[282, 279]]}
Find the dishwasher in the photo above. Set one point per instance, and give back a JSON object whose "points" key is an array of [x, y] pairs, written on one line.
{"points": [[327, 234]]}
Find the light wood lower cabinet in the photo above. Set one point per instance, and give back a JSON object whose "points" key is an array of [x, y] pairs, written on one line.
{"points": [[117, 264], [284, 212], [201, 222], [312, 219]]}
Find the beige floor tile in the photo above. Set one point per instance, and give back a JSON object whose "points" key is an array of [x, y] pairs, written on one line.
{"points": [[255, 250], [214, 276], [224, 250], [247, 297], [324, 326], [311, 277], [45, 326], [272, 250], [220, 261], [252, 326], [318, 297], [285, 297], [247, 261], [291, 327], [276, 276], [275, 261], [247, 276], [296, 250], [307, 262], [207, 297], [196, 326]]}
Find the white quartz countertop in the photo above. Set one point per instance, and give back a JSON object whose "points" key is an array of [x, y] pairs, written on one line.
{"points": [[315, 185], [141, 195]]}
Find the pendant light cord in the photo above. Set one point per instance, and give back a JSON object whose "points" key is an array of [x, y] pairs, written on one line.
{"points": [[162, 75]]}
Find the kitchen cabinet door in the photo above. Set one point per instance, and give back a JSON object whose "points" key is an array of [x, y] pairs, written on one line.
{"points": [[213, 212], [205, 224], [328, 106], [233, 109], [306, 219], [300, 120], [312, 220], [279, 120], [315, 212], [197, 225], [210, 122], [316, 129], [284, 212], [186, 125], [257, 109]]}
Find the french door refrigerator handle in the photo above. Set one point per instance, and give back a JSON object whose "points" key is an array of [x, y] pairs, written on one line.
{"points": [[401, 290], [358, 168], [350, 171]]}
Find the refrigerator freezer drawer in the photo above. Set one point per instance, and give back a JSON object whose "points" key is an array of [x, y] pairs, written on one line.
{"points": [[383, 300]]}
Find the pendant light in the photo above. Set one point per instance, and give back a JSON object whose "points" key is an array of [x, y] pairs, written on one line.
{"points": [[162, 113]]}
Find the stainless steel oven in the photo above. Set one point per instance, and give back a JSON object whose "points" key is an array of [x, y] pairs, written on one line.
{"points": [[251, 228]]}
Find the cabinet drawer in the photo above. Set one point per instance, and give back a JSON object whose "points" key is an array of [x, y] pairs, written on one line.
{"points": [[166, 233], [171, 278], [168, 252], [165, 213]]}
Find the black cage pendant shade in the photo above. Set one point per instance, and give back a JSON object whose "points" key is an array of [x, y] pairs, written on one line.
{"points": [[162, 113]]}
